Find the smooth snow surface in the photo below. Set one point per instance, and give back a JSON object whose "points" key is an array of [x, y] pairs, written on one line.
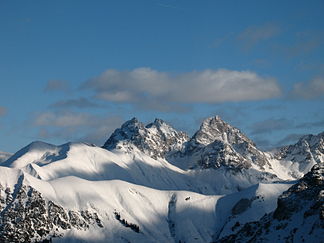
{"points": [[167, 203]]}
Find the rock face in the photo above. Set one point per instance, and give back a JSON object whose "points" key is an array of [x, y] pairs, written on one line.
{"points": [[25, 216], [218, 144], [299, 216], [215, 144], [308, 151], [156, 139]]}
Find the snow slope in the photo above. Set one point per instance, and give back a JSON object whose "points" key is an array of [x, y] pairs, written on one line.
{"points": [[162, 216], [139, 188], [48, 162]]}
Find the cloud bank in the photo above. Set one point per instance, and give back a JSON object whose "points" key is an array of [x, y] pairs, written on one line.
{"points": [[77, 126], [143, 86]]}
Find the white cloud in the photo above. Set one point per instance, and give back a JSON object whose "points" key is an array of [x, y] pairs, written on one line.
{"points": [[309, 90], [76, 126], [143, 85]]}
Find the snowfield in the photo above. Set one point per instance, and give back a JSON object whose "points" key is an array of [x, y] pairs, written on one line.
{"points": [[135, 192]]}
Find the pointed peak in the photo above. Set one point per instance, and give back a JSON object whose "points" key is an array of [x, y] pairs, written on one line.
{"points": [[134, 122], [159, 121], [214, 128], [214, 122], [155, 139]]}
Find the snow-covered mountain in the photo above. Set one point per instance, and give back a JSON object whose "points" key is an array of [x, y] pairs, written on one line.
{"points": [[156, 139], [299, 216], [219, 144], [303, 155], [149, 183]]}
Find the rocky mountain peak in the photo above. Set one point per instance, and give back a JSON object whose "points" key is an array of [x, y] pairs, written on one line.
{"points": [[308, 151], [130, 130], [217, 144], [214, 128], [155, 139], [159, 122], [132, 126]]}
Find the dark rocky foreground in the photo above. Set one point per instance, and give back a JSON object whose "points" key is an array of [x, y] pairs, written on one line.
{"points": [[299, 216], [27, 217]]}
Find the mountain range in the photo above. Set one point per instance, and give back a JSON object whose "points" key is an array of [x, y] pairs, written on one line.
{"points": [[152, 183]]}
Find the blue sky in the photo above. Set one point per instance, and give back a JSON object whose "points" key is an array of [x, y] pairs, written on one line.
{"points": [[75, 70]]}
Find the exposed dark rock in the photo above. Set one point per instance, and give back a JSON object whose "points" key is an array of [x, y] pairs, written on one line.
{"points": [[241, 206], [132, 226], [214, 145], [299, 212], [27, 217], [220, 144], [156, 139]]}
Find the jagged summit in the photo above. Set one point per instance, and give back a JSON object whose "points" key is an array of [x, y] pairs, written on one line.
{"points": [[158, 122], [217, 144], [214, 128], [214, 145], [127, 132], [308, 151], [155, 139]]}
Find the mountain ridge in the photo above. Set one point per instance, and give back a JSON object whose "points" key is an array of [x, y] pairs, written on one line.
{"points": [[153, 183]]}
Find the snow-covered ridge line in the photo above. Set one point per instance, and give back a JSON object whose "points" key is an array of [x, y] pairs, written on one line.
{"points": [[149, 183], [158, 215], [216, 144]]}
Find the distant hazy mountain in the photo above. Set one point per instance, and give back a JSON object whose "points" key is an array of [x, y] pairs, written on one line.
{"points": [[152, 183]]}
